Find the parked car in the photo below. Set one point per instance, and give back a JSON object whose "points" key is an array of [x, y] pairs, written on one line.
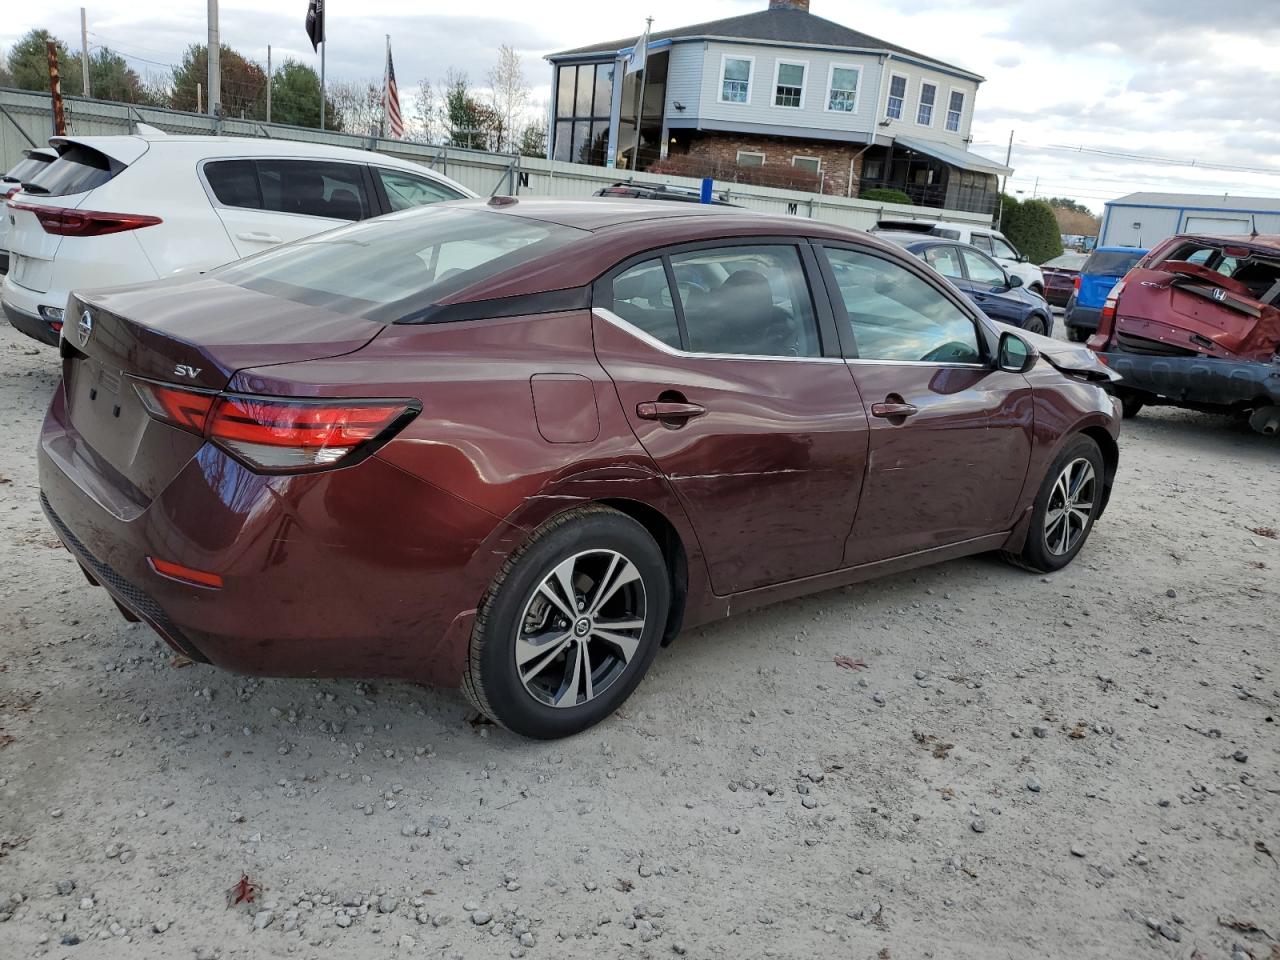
{"points": [[122, 209], [32, 162], [659, 191], [1105, 268], [520, 444], [998, 294], [1196, 324], [1060, 277], [991, 242]]}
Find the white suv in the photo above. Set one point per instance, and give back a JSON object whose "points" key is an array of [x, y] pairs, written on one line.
{"points": [[991, 242], [125, 209]]}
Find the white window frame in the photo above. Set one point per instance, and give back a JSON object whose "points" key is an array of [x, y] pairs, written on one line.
{"points": [[933, 107], [906, 96], [964, 103], [749, 153], [751, 78], [800, 156], [804, 83], [857, 91]]}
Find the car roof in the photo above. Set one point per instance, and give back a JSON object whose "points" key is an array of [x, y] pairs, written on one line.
{"points": [[1263, 241]]}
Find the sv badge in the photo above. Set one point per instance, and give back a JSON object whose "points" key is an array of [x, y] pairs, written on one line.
{"points": [[182, 370]]}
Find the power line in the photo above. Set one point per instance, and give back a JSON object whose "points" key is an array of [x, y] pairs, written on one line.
{"points": [[1149, 158]]}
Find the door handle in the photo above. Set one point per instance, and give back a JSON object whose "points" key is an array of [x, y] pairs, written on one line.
{"points": [[259, 237], [668, 410], [894, 408]]}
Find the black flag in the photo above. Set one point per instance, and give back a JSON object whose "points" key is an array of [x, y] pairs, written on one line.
{"points": [[315, 22]]}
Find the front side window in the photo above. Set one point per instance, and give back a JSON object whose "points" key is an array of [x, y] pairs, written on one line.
{"points": [[789, 88], [983, 271], [642, 297], [955, 111], [1002, 249], [752, 301], [946, 260], [843, 95], [896, 315], [897, 97], [928, 95], [406, 190], [735, 80]]}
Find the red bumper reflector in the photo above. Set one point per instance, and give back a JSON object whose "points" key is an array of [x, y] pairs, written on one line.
{"points": [[176, 571]]}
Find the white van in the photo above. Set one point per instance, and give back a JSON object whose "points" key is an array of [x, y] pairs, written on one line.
{"points": [[991, 242]]}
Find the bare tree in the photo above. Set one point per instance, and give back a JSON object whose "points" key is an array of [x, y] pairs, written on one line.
{"points": [[508, 96], [358, 103], [424, 120]]}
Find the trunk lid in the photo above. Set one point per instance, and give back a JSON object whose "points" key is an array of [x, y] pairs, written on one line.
{"points": [[190, 332]]}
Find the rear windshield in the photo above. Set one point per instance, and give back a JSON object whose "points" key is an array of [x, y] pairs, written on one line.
{"points": [[393, 266], [78, 169], [1111, 263], [27, 167]]}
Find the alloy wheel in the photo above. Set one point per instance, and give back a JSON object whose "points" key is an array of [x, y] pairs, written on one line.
{"points": [[580, 628], [1070, 507]]}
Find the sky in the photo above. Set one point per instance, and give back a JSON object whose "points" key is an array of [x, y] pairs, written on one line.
{"points": [[1074, 81]]}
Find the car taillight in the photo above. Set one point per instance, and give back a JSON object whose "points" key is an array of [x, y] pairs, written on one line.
{"points": [[278, 435], [1106, 319], [1075, 284], [68, 222]]}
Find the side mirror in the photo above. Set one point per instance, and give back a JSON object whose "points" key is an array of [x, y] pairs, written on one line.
{"points": [[1015, 354], [1012, 280], [1021, 258]]}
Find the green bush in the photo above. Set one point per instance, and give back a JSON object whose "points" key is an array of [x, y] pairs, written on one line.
{"points": [[1031, 227], [885, 195]]}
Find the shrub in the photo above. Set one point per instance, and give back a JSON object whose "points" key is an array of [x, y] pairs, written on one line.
{"points": [[885, 195], [1031, 227]]}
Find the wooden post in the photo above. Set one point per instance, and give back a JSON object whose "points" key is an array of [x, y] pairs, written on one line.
{"points": [[55, 88]]}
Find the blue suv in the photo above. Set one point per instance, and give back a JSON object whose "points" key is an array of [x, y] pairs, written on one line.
{"points": [[1105, 268]]}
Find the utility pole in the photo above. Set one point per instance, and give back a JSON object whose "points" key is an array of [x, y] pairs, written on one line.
{"points": [[215, 68], [269, 76], [84, 53], [55, 89], [1008, 157], [199, 97]]}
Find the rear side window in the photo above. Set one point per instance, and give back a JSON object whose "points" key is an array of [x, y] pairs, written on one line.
{"points": [[309, 188], [752, 301], [642, 297], [945, 232], [982, 241], [406, 190], [946, 260], [78, 169], [400, 265], [1107, 263]]}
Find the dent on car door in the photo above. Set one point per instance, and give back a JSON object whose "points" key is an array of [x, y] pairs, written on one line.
{"points": [[728, 373], [266, 202], [950, 434]]}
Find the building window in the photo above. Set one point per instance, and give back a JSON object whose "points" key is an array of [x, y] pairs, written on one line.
{"points": [[788, 85], [873, 170], [812, 164], [735, 79], [584, 99], [928, 94], [749, 158], [897, 97], [955, 110], [842, 89]]}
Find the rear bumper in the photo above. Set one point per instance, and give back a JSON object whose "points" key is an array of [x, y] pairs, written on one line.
{"points": [[362, 572], [1085, 318], [33, 326], [1198, 380], [1058, 297]]}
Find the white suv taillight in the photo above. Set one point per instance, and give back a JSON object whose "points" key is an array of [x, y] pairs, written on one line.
{"points": [[68, 222]]}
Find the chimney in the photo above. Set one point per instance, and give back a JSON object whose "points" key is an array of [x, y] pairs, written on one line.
{"points": [[789, 5]]}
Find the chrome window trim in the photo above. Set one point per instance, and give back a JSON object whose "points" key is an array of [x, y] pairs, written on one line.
{"points": [[625, 325], [921, 363]]}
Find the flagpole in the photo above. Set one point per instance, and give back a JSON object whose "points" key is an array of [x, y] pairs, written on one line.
{"points": [[644, 78], [323, 44], [386, 91]]}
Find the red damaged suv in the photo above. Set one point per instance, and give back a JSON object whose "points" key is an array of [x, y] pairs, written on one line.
{"points": [[518, 445]]}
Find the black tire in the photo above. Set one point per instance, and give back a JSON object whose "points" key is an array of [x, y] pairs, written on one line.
{"points": [[1038, 553], [587, 536], [1131, 404], [1036, 324], [1077, 334], [1037, 290]]}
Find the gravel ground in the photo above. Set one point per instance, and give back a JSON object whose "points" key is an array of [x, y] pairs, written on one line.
{"points": [[1082, 765]]}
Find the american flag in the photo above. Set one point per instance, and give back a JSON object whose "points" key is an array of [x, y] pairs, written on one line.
{"points": [[391, 100]]}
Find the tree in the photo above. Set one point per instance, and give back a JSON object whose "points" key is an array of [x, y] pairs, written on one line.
{"points": [[29, 62], [468, 123], [424, 120], [295, 97], [885, 195], [243, 82], [110, 78], [1031, 227], [6, 78], [357, 106], [533, 140], [508, 97], [1074, 218]]}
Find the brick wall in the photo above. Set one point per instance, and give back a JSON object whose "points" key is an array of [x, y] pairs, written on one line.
{"points": [[722, 149]]}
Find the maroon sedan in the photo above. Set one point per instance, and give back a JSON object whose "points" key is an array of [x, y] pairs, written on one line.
{"points": [[520, 445], [1060, 275]]}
